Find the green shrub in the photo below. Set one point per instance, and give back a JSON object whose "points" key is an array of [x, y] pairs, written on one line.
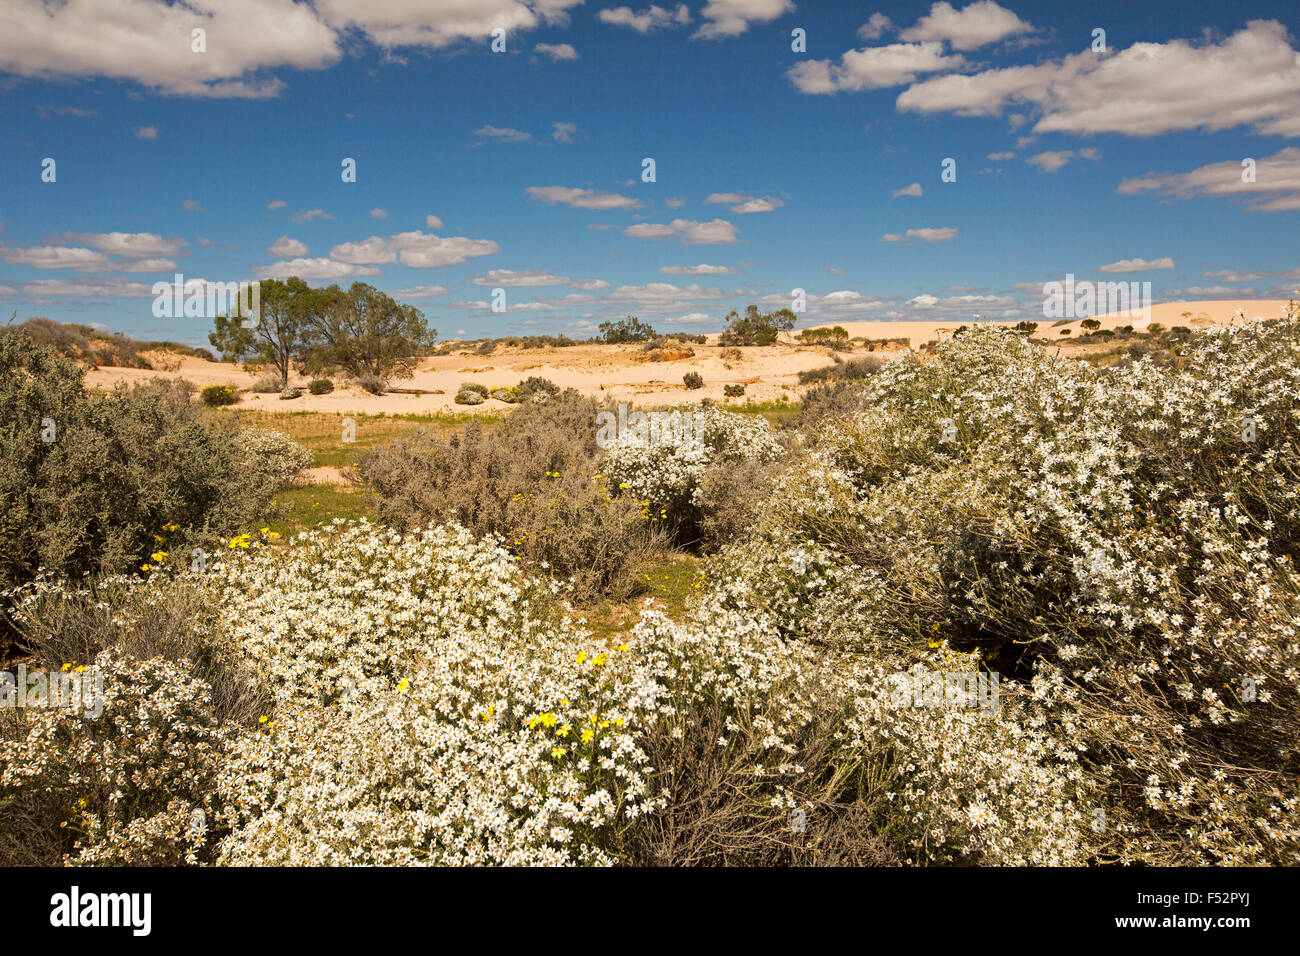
{"points": [[371, 383], [120, 470], [537, 389], [320, 386], [630, 329], [471, 393], [215, 395], [693, 380], [733, 390], [290, 393], [510, 394]]}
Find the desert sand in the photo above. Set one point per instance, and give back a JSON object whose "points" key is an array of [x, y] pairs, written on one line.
{"points": [[620, 373]]}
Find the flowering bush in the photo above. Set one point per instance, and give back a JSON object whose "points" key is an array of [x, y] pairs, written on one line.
{"points": [[664, 466]]}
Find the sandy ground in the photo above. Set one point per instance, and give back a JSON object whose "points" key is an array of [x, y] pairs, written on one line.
{"points": [[620, 372]]}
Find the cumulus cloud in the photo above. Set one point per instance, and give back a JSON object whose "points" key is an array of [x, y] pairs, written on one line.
{"points": [[1139, 265], [717, 231], [925, 235], [974, 26], [509, 277], [557, 51], [422, 292], [313, 269], [912, 190], [286, 248], [147, 132], [1251, 79], [127, 243], [415, 250], [873, 68], [581, 198], [700, 270], [741, 203], [275, 204], [1051, 161], [729, 18], [432, 222], [875, 27], [563, 132], [652, 18], [378, 213], [1276, 187]]}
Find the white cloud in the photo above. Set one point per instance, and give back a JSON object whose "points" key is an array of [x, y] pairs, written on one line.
{"points": [[581, 198], [127, 243], [439, 23], [313, 269], [741, 203], [415, 250], [700, 270], [105, 288], [378, 213], [557, 51], [307, 215], [124, 40], [1276, 187], [1230, 275], [147, 132], [912, 190], [275, 204], [432, 222], [1251, 79], [652, 18], [286, 248], [925, 235], [998, 157], [875, 27], [502, 134], [563, 132], [57, 257], [1139, 265], [717, 231], [422, 292], [873, 68], [968, 29], [729, 18], [676, 202], [509, 277], [1052, 161], [191, 205]]}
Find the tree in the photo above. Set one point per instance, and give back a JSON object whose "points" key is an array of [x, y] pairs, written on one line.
{"points": [[630, 329], [286, 324], [1092, 325], [365, 332], [756, 328]]}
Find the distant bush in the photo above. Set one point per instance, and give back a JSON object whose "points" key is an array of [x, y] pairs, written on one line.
{"points": [[372, 384], [832, 400], [854, 370], [268, 384], [486, 347], [733, 390], [537, 389], [732, 354], [693, 380], [215, 395], [471, 394], [320, 386], [506, 393], [531, 479], [290, 393]]}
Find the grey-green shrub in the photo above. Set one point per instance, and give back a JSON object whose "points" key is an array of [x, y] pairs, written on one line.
{"points": [[693, 380], [320, 386], [532, 479]]}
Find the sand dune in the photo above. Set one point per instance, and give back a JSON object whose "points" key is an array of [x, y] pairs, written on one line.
{"points": [[620, 372]]}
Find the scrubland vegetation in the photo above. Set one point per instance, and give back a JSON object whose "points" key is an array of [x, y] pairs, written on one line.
{"points": [[1113, 543]]}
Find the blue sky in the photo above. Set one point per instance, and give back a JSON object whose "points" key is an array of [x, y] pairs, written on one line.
{"points": [[775, 169]]}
